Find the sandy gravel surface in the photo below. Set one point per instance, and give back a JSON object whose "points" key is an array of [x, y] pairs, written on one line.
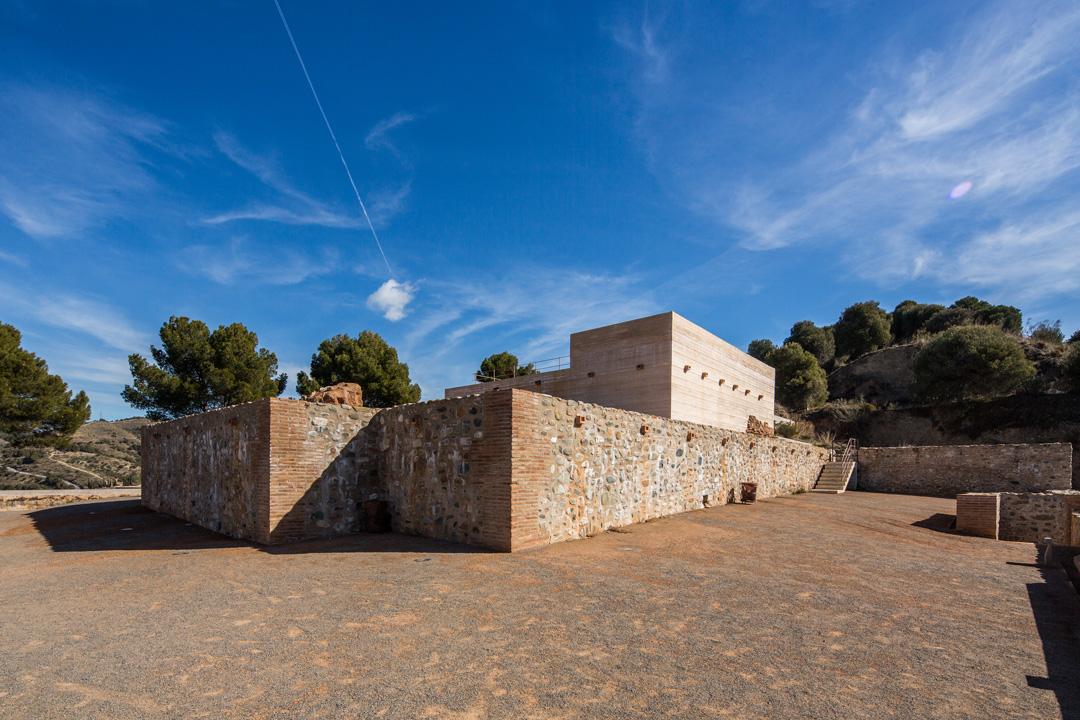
{"points": [[813, 606]]}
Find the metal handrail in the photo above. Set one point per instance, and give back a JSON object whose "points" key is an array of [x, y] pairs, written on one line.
{"points": [[556, 363], [851, 455]]}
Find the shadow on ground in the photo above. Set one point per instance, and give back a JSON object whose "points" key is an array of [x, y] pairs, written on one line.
{"points": [[1054, 602], [127, 525], [940, 522]]}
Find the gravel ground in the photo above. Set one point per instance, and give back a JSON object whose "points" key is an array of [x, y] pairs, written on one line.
{"points": [[819, 606]]}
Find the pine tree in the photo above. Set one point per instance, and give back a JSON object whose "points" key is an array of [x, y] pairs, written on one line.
{"points": [[196, 370], [366, 360], [36, 408]]}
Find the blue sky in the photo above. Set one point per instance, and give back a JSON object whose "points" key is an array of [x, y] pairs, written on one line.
{"points": [[532, 169]]}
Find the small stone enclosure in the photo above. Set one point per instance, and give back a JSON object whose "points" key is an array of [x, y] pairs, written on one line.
{"points": [[507, 470]]}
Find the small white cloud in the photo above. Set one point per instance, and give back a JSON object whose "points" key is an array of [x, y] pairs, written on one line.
{"points": [[391, 298]]}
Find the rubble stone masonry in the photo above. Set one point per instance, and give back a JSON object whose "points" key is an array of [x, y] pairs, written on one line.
{"points": [[507, 470], [1021, 517], [948, 470]]}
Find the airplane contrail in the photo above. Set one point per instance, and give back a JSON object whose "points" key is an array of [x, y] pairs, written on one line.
{"points": [[333, 136]]}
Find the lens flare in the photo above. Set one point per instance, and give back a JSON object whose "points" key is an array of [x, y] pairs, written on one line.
{"points": [[961, 190]]}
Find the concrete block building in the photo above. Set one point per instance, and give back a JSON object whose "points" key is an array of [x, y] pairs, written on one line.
{"points": [[661, 365]]}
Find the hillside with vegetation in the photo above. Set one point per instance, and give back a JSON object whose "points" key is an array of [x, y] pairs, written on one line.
{"points": [[101, 454]]}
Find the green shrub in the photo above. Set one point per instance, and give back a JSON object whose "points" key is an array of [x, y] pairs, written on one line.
{"points": [[1045, 331], [763, 350], [862, 328], [818, 341], [970, 362], [800, 381], [949, 318], [909, 317]]}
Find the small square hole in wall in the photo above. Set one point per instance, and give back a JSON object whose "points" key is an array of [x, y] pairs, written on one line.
{"points": [[746, 392], [724, 442], [538, 382], [690, 436], [704, 375], [644, 429], [592, 374], [641, 366], [234, 421], [579, 420], [415, 419], [758, 397], [734, 387], [686, 368], [722, 381]]}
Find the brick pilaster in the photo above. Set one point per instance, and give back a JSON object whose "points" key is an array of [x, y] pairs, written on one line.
{"points": [[978, 514]]}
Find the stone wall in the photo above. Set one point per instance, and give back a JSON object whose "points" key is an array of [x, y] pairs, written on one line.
{"points": [[1031, 517], [272, 470], [1021, 517], [602, 468], [208, 469], [948, 470], [444, 467], [1026, 418], [507, 469], [320, 470]]}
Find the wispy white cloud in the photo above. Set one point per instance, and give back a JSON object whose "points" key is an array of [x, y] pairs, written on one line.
{"points": [[999, 106], [378, 138], [13, 259], [80, 313], [291, 207], [391, 299], [640, 39], [385, 205], [71, 159], [238, 261]]}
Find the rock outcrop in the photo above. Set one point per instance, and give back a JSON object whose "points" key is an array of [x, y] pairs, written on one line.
{"points": [[349, 394]]}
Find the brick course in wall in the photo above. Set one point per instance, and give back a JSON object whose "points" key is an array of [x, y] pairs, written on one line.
{"points": [[271, 471], [509, 469], [948, 470], [978, 514]]}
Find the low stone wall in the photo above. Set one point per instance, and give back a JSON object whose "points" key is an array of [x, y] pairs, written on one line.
{"points": [[599, 467], [508, 469], [948, 470], [1021, 517], [1031, 517]]}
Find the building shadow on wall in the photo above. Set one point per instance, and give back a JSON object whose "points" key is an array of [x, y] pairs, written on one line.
{"points": [[125, 525], [331, 499], [1056, 607]]}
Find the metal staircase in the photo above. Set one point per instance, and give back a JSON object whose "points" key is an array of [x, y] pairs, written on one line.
{"points": [[836, 474]]}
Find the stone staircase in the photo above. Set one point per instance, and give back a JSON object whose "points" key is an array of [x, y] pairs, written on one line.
{"points": [[836, 475]]}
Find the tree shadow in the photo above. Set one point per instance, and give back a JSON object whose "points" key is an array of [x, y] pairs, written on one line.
{"points": [[939, 522], [1056, 607], [125, 525]]}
